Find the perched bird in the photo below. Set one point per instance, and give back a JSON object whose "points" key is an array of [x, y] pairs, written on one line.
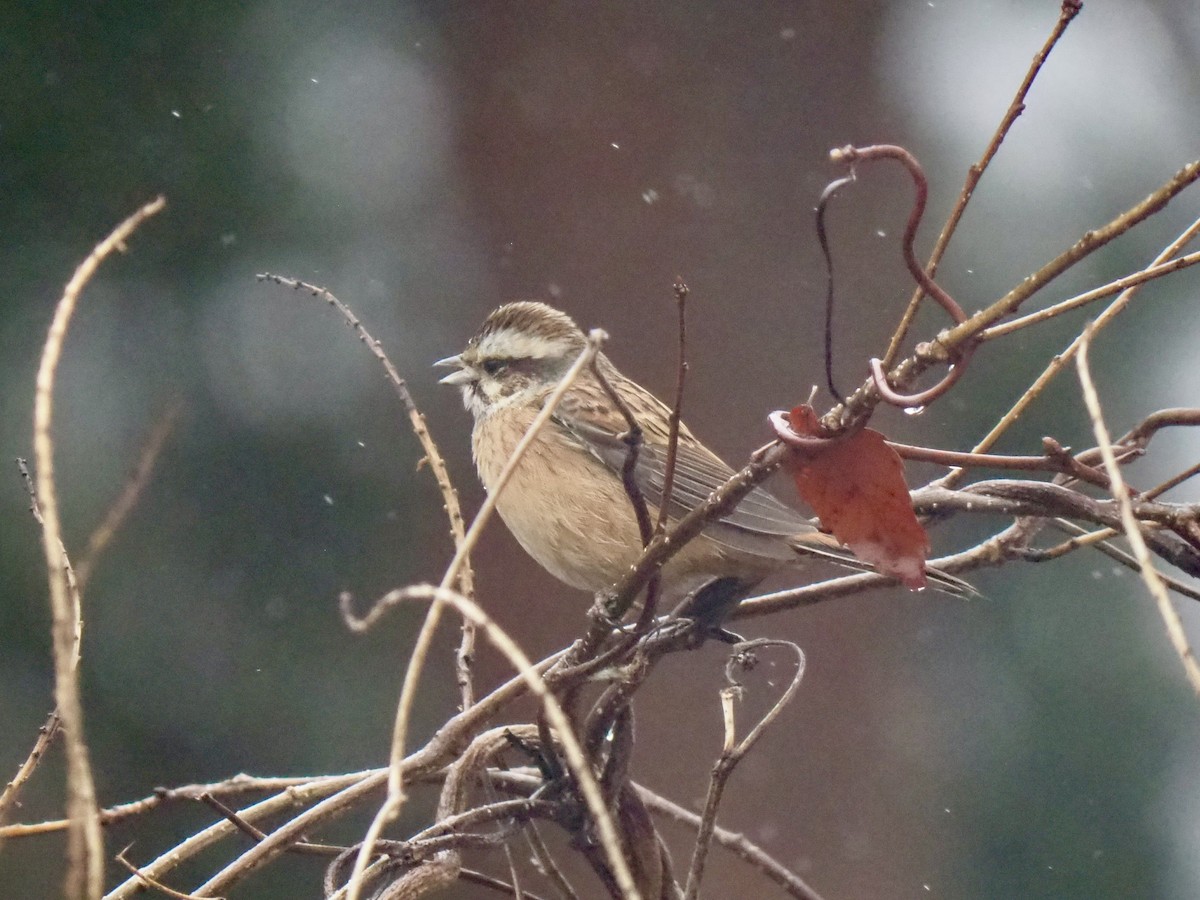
{"points": [[566, 503]]}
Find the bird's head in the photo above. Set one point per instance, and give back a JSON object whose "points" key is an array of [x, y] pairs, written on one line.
{"points": [[520, 350]]}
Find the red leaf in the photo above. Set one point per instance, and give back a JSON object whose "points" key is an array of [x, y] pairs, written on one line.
{"points": [[857, 489]]}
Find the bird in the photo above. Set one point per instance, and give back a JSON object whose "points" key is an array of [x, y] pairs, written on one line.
{"points": [[566, 502]]}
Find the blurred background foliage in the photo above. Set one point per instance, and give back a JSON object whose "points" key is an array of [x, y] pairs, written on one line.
{"points": [[427, 161]]}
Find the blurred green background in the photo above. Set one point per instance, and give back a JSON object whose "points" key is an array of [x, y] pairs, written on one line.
{"points": [[427, 161]]}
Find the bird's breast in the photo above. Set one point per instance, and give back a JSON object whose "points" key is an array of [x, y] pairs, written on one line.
{"points": [[566, 509]]}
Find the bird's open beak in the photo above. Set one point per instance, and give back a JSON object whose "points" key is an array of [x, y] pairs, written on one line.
{"points": [[461, 374]]}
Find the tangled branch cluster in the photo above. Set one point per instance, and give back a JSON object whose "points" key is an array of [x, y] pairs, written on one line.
{"points": [[569, 768]]}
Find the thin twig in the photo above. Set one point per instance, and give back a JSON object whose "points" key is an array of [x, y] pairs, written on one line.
{"points": [[1133, 530], [673, 422], [1062, 360], [792, 884], [1048, 463], [734, 751], [128, 498], [545, 862], [344, 789], [823, 240], [1099, 541], [12, 790], [1113, 287], [495, 884], [1082, 537], [337, 795], [85, 843], [633, 439], [1070, 9], [1089, 243], [466, 576], [257, 834], [150, 882], [961, 355]]}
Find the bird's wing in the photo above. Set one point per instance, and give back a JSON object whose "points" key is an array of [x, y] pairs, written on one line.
{"points": [[756, 525]]}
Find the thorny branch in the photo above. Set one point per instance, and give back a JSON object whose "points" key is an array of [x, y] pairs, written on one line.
{"points": [[466, 576]]}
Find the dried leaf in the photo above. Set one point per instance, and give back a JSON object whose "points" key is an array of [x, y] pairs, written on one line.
{"points": [[857, 489]]}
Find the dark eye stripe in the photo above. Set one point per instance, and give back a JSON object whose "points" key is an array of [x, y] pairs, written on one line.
{"points": [[525, 365]]}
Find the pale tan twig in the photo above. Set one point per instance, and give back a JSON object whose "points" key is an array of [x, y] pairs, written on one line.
{"points": [[466, 576], [236, 786], [1099, 540], [573, 753], [35, 510], [1062, 360], [440, 749], [356, 784], [412, 674], [792, 884], [1133, 529], [12, 790], [85, 843], [734, 750], [49, 731], [1088, 243], [274, 843], [150, 882], [120, 510], [1113, 287], [1070, 9]]}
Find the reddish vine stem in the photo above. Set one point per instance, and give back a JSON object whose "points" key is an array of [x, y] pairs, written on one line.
{"points": [[962, 358]]}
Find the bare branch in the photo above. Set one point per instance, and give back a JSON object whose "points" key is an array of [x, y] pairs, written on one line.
{"points": [[792, 884], [466, 576], [734, 751], [573, 752], [1070, 9], [1080, 300], [1129, 522], [12, 790], [85, 843], [150, 882], [129, 496]]}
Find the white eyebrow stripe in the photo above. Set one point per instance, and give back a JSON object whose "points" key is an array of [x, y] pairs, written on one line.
{"points": [[518, 345]]}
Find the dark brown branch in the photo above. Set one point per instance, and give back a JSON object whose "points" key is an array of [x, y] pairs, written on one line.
{"points": [[633, 445], [741, 846], [150, 882], [255, 834], [681, 295], [734, 750]]}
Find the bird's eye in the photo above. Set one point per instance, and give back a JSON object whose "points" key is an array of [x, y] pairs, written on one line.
{"points": [[494, 366]]}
